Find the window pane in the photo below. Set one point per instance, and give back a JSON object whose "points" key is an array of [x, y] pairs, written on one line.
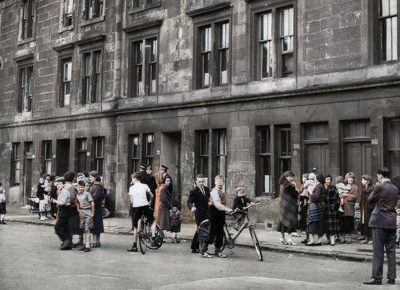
{"points": [[223, 56], [224, 35], [153, 66], [153, 50], [149, 139], [135, 147], [204, 143], [206, 39], [265, 27], [388, 27], [206, 70], [266, 68]]}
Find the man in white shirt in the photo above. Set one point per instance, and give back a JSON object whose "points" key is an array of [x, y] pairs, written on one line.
{"points": [[216, 215], [138, 193]]}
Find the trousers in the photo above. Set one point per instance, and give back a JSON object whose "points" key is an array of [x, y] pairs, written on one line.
{"points": [[384, 239], [62, 225]]}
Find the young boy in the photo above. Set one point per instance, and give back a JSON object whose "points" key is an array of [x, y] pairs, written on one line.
{"points": [[240, 202], [3, 210], [85, 208]]}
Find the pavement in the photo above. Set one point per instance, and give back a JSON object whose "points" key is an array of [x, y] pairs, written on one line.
{"points": [[268, 238]]}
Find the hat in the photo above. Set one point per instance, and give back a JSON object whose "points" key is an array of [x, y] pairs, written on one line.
{"points": [[143, 166], [93, 173], [163, 167]]}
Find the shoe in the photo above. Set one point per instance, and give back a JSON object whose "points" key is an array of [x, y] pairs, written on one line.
{"points": [[310, 244], [67, 245], [177, 240], [296, 235], [305, 241], [373, 281], [42, 218], [205, 255], [87, 250], [3, 222], [82, 249], [391, 281], [317, 244], [370, 243], [96, 245], [361, 238], [332, 244], [364, 242], [132, 249], [220, 255], [342, 242], [195, 251], [291, 243], [283, 241]]}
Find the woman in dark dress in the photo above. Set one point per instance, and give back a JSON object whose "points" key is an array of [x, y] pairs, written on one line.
{"points": [[288, 207], [97, 193], [365, 207]]}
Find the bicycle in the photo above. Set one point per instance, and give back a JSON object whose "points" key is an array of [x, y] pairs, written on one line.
{"points": [[145, 236], [229, 238]]}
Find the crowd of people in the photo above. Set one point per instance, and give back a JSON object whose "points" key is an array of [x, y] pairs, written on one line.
{"points": [[320, 208], [79, 205], [79, 210]]}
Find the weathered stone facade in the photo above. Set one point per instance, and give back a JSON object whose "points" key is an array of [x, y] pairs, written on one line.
{"points": [[337, 84]]}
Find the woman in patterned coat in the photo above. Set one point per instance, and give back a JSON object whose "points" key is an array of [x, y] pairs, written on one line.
{"points": [[315, 218], [331, 218], [288, 207]]}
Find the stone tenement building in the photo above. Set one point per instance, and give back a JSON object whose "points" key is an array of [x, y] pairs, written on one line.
{"points": [[243, 88]]}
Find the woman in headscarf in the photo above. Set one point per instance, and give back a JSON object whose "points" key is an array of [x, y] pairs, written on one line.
{"points": [[316, 212]]}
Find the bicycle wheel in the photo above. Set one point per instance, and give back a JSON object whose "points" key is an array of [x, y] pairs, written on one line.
{"points": [[255, 242], [142, 237], [158, 240], [202, 232], [225, 241], [142, 243]]}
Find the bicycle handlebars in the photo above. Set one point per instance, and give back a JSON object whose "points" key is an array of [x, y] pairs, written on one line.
{"points": [[238, 210]]}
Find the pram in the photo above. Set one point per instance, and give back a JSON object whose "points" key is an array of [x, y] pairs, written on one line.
{"points": [[33, 204]]}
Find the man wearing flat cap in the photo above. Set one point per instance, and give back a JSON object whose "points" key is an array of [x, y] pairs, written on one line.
{"points": [[142, 174], [164, 175]]}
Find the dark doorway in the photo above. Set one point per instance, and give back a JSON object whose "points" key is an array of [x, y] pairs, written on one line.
{"points": [[170, 156], [62, 156]]}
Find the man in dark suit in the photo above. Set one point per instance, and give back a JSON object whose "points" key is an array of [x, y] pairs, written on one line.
{"points": [[152, 183], [143, 176], [383, 224], [198, 204]]}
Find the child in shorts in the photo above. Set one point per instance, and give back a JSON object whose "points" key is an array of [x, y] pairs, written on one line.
{"points": [[85, 208]]}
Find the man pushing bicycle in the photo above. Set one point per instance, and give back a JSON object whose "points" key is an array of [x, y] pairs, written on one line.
{"points": [[216, 216], [139, 193]]}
